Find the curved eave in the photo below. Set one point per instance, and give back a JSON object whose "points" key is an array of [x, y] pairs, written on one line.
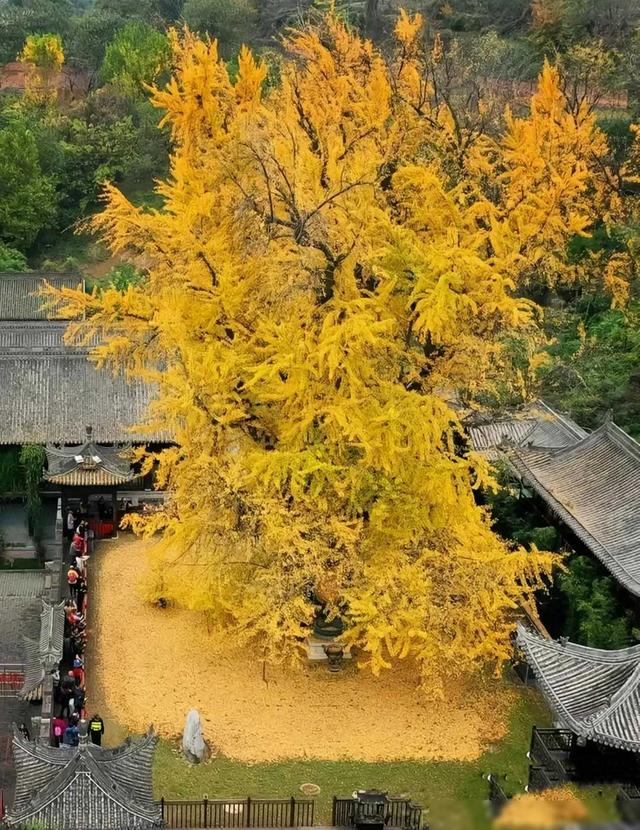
{"points": [[581, 728], [90, 478]]}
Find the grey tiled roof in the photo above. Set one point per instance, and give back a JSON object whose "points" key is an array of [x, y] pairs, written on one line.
{"points": [[19, 618], [86, 786], [538, 425], [45, 336], [50, 398], [51, 390], [22, 583], [594, 487], [595, 693], [19, 299], [44, 655]]}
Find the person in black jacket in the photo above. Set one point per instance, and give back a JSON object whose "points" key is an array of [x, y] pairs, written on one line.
{"points": [[96, 730]]}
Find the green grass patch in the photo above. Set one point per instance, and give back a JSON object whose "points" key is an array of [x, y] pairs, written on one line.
{"points": [[453, 794]]}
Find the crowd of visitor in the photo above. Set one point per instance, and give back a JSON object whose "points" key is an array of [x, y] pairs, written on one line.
{"points": [[69, 678]]}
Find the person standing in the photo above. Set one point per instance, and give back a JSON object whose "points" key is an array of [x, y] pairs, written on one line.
{"points": [[71, 523], [76, 548], [78, 701], [81, 593], [72, 581], [72, 733], [96, 730], [59, 725]]}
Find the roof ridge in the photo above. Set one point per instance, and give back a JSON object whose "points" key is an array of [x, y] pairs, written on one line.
{"points": [[613, 655], [567, 422], [625, 441]]}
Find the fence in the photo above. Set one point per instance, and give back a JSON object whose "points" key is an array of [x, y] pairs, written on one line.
{"points": [[246, 812], [550, 748], [628, 803], [398, 813], [539, 779], [497, 796]]}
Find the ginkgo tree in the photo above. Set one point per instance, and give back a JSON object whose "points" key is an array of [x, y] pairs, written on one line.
{"points": [[43, 56], [327, 271]]}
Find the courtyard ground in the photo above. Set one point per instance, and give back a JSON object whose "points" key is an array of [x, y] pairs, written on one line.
{"points": [[148, 665]]}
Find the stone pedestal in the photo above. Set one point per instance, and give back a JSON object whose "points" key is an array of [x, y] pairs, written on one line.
{"points": [[315, 648]]}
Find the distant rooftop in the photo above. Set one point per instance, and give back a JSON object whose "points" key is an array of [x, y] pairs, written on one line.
{"points": [[538, 424], [19, 293]]}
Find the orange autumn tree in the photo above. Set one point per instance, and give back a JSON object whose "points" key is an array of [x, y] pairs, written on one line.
{"points": [[317, 279]]}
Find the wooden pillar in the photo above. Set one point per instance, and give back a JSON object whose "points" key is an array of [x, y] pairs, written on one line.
{"points": [[114, 509]]}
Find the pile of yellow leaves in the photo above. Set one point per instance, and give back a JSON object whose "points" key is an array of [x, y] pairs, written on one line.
{"points": [[334, 251], [539, 811]]}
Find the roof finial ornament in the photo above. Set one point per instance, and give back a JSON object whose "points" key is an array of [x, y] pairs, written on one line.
{"points": [[89, 430], [83, 733], [563, 641]]}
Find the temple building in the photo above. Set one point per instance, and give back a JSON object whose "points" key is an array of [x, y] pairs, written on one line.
{"points": [[84, 787], [51, 390], [589, 482], [595, 697], [594, 693], [55, 396], [593, 487]]}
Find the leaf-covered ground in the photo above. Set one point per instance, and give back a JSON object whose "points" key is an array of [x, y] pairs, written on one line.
{"points": [[150, 666]]}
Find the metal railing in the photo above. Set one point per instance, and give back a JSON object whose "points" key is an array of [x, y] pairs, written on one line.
{"points": [[550, 749], [539, 779], [497, 796], [245, 812]]}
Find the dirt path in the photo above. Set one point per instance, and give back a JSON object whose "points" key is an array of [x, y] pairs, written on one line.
{"points": [[148, 665]]}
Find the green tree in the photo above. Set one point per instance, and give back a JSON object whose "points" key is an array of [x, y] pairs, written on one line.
{"points": [[93, 154], [156, 12], [232, 22], [28, 200], [18, 20], [123, 276], [11, 259], [595, 366], [138, 55], [32, 458], [595, 616], [90, 35]]}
